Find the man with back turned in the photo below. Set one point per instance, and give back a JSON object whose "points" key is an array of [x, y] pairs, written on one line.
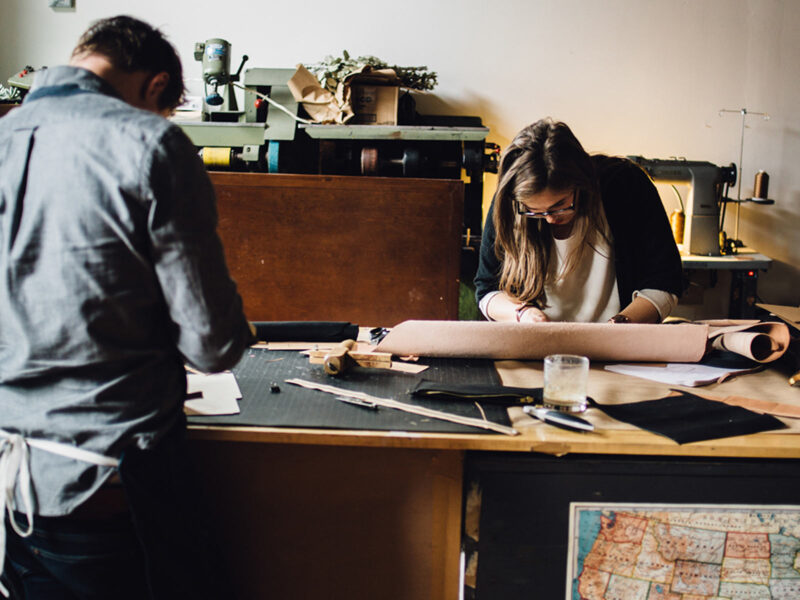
{"points": [[113, 277]]}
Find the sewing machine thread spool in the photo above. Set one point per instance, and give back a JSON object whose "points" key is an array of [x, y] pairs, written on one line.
{"points": [[761, 185], [677, 221]]}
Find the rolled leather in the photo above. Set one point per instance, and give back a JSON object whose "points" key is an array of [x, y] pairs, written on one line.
{"points": [[534, 341]]}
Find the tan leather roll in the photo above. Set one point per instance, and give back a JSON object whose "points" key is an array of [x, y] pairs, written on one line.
{"points": [[762, 342], [534, 341]]}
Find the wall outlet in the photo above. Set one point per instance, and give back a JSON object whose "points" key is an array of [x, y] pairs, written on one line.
{"points": [[62, 3]]}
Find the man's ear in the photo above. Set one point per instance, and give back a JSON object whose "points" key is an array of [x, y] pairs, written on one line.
{"points": [[153, 88]]}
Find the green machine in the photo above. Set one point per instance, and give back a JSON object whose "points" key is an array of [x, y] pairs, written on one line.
{"points": [[21, 82], [268, 134], [215, 54], [248, 139]]}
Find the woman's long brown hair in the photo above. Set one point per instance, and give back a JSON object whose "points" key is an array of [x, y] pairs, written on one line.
{"points": [[544, 155]]}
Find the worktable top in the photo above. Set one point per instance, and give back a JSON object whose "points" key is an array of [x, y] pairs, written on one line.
{"points": [[610, 437]]}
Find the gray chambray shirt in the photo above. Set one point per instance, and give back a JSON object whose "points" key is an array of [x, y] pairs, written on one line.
{"points": [[112, 276]]}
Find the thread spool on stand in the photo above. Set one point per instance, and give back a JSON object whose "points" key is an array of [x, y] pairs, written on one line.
{"points": [[744, 113], [761, 186], [761, 189], [677, 221]]}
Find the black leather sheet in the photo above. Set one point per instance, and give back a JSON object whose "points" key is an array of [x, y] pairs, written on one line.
{"points": [[485, 394], [689, 418], [308, 331]]}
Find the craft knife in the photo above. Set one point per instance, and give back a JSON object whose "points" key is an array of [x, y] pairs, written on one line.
{"points": [[559, 419]]}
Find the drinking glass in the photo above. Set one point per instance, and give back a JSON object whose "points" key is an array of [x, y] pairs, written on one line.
{"points": [[565, 377]]}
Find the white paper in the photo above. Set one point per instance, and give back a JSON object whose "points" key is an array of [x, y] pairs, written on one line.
{"points": [[690, 375], [220, 394]]}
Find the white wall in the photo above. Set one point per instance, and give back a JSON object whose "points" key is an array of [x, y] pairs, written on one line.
{"points": [[629, 76]]}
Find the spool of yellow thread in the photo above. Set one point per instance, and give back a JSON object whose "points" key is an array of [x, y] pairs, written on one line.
{"points": [[217, 157], [677, 220]]}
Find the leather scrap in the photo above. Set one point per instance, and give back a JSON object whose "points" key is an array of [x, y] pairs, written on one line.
{"points": [[685, 418]]}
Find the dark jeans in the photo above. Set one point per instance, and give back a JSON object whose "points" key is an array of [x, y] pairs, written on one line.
{"points": [[68, 559], [162, 549]]}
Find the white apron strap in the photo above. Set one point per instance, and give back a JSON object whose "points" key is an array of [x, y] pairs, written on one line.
{"points": [[15, 470]]}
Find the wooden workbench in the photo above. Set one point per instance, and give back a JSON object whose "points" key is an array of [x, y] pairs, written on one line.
{"points": [[310, 513]]}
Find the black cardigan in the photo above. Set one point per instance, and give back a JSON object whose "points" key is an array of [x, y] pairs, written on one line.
{"points": [[645, 254]]}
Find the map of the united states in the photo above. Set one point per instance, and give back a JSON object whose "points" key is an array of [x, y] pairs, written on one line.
{"points": [[621, 552]]}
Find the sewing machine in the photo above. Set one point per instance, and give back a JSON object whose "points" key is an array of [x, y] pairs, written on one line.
{"points": [[705, 181]]}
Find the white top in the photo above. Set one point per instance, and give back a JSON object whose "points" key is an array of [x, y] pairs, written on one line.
{"points": [[589, 294]]}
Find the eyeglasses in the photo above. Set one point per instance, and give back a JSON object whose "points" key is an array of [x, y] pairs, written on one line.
{"points": [[532, 214]]}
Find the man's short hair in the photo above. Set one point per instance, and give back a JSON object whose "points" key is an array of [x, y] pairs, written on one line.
{"points": [[132, 45]]}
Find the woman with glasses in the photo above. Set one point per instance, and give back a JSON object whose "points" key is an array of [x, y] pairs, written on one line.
{"points": [[574, 237]]}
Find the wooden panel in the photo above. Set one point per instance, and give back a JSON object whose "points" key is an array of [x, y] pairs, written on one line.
{"points": [[370, 250], [335, 522]]}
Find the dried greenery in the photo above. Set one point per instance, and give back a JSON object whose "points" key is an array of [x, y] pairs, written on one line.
{"points": [[334, 69], [10, 94]]}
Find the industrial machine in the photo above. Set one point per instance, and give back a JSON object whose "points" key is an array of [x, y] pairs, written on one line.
{"points": [[269, 134], [215, 54], [23, 80], [708, 186]]}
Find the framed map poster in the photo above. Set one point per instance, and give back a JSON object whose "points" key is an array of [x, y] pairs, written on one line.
{"points": [[630, 527], [638, 551]]}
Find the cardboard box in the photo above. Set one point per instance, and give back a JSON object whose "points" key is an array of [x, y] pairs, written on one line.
{"points": [[374, 104]]}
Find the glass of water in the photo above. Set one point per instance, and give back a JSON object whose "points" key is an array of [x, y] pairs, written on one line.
{"points": [[565, 377]]}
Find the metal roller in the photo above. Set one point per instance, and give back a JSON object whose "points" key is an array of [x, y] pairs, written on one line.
{"points": [[369, 161], [411, 162], [327, 157], [272, 157]]}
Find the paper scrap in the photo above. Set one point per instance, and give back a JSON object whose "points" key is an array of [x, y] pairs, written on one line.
{"points": [[324, 106], [302, 346], [220, 393], [404, 367], [690, 375], [790, 314], [778, 409]]}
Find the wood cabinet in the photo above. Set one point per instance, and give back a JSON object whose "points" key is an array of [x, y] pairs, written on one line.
{"points": [[369, 250]]}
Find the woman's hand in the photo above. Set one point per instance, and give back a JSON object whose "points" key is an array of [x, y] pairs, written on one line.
{"points": [[531, 314], [504, 308]]}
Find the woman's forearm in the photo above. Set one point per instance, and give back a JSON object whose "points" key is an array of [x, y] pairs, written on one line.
{"points": [[641, 310]]}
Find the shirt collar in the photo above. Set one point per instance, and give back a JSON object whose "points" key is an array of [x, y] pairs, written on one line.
{"points": [[65, 74]]}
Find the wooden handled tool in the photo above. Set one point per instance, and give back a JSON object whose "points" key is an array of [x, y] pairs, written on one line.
{"points": [[338, 360], [343, 356]]}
